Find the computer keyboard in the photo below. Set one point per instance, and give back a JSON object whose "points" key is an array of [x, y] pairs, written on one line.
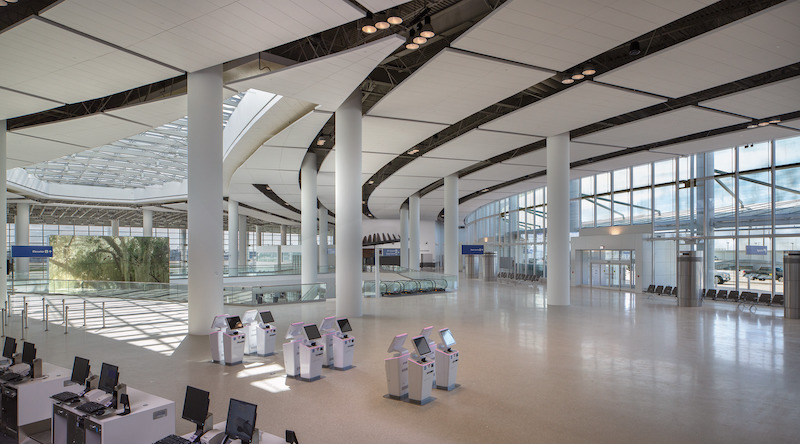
{"points": [[173, 439], [90, 407], [10, 376], [65, 396]]}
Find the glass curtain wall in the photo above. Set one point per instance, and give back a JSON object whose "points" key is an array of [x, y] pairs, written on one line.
{"points": [[740, 206]]}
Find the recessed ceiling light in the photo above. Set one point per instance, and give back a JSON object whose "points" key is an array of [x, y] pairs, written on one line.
{"points": [[763, 123], [394, 18], [370, 182], [567, 80], [484, 190], [369, 29], [321, 141], [775, 121], [589, 70], [419, 40], [413, 151], [412, 46], [427, 29], [752, 125], [634, 49], [577, 76]]}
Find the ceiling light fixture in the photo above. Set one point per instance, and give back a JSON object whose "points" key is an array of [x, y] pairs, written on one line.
{"points": [[775, 121], [634, 49], [578, 75], [321, 141], [752, 125], [413, 151], [427, 29], [369, 28], [484, 190], [370, 182], [589, 70], [763, 123], [381, 22], [566, 80], [412, 44], [394, 17]]}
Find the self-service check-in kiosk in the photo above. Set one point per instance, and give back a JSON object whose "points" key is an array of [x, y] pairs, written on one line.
{"points": [[265, 334], [397, 368], [427, 331], [215, 338], [250, 331], [421, 372], [291, 349], [446, 361], [328, 330], [233, 341], [312, 354], [343, 346]]}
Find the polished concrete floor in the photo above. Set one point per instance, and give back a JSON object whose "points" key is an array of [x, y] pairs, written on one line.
{"points": [[612, 367]]}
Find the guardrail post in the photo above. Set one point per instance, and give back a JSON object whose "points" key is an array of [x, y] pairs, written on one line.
{"points": [[25, 311], [46, 316], [3, 323], [44, 305], [22, 325], [104, 314], [84, 313], [66, 320], [5, 314]]}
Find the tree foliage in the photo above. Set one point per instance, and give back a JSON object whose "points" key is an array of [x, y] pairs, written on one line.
{"points": [[109, 258]]}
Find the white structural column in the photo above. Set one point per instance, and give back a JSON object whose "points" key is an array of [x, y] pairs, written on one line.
{"points": [[205, 196], [115, 227], [184, 244], [413, 235], [323, 236], [233, 237], [3, 211], [22, 227], [558, 272], [258, 235], [147, 223], [308, 220], [242, 241], [404, 235], [283, 234], [451, 226], [348, 207]]}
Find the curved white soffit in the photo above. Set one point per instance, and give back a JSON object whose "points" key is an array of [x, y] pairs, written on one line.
{"points": [[19, 181], [257, 118]]}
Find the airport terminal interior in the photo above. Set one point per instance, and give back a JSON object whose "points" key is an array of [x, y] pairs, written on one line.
{"points": [[233, 207]]}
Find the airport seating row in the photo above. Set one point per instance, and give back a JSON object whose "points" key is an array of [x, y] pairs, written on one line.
{"points": [[519, 277], [745, 297]]}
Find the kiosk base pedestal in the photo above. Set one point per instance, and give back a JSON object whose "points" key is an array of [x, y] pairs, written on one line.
{"points": [[291, 359], [446, 369], [343, 352], [397, 376], [311, 357], [420, 381]]}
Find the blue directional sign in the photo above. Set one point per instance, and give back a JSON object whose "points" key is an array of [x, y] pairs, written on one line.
{"points": [[472, 249], [391, 252], [31, 251], [760, 250]]}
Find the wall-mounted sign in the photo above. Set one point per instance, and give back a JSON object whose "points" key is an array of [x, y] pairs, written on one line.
{"points": [[760, 250], [391, 252], [472, 249], [31, 251]]}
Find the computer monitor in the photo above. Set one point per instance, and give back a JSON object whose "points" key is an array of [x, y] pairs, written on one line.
{"points": [[344, 325], [109, 378], [312, 332], [421, 344], [447, 337], [28, 353], [266, 317], [80, 370], [397, 344], [195, 405], [9, 348], [241, 420], [235, 322]]}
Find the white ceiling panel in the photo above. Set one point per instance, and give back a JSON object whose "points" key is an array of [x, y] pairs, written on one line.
{"points": [[466, 186], [301, 133], [276, 158], [454, 85], [560, 34], [664, 126], [155, 113], [575, 107], [736, 138], [432, 167], [761, 42], [394, 136], [370, 162], [480, 145], [769, 100], [382, 192], [326, 81], [34, 150], [634, 159], [414, 183], [577, 151], [63, 66], [192, 35], [90, 131], [504, 172], [792, 123], [380, 5], [14, 104]]}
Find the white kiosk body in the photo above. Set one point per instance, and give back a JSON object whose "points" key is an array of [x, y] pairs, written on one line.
{"points": [[311, 354], [233, 341], [397, 368], [421, 372], [265, 334], [446, 362], [328, 330], [215, 338], [250, 330], [291, 350], [343, 346]]}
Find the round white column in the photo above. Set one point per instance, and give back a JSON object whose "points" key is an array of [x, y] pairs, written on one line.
{"points": [[348, 207], [283, 234], [147, 223], [323, 236], [308, 220], [413, 235], [3, 212], [404, 236], [233, 237], [205, 195], [451, 226], [558, 271], [22, 227], [115, 227], [258, 235], [243, 256]]}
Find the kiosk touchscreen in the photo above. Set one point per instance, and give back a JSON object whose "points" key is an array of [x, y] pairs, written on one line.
{"points": [[329, 331], [422, 347], [446, 361], [241, 422], [234, 323], [266, 317], [447, 338], [344, 326], [265, 334], [397, 368], [291, 349], [195, 408], [312, 333], [427, 331]]}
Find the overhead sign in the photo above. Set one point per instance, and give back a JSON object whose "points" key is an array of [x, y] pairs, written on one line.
{"points": [[391, 252], [472, 249], [31, 251], [759, 250]]}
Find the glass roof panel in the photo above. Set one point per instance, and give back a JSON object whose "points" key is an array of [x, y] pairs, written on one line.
{"points": [[153, 157]]}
